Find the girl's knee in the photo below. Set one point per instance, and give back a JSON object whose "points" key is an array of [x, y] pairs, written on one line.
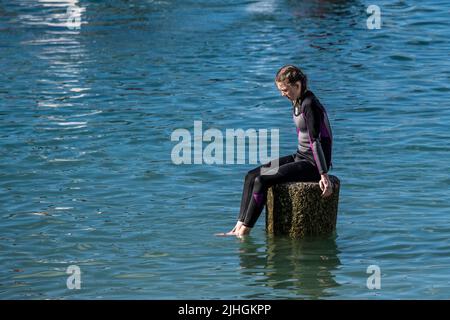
{"points": [[259, 181], [251, 174]]}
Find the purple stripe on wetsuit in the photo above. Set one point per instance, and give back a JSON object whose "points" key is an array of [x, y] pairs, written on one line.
{"points": [[259, 198]]}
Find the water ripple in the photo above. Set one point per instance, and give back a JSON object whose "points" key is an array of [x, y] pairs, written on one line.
{"points": [[86, 176]]}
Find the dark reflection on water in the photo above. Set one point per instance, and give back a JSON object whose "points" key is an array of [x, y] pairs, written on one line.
{"points": [[302, 268], [320, 8]]}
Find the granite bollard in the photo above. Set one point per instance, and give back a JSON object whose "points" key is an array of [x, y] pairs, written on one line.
{"points": [[298, 210]]}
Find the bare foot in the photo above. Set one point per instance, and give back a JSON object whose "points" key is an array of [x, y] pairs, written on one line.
{"points": [[224, 234], [243, 231], [233, 232]]}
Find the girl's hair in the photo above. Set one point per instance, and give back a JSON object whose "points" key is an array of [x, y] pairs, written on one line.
{"points": [[292, 74]]}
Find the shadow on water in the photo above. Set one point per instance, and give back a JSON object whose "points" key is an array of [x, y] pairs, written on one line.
{"points": [[294, 268]]}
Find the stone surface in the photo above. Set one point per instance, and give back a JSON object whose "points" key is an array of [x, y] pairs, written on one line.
{"points": [[298, 210]]}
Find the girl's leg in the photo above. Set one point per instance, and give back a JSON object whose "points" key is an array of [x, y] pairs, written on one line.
{"points": [[247, 190], [250, 181], [289, 172]]}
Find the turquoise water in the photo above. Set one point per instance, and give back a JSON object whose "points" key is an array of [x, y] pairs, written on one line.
{"points": [[86, 176]]}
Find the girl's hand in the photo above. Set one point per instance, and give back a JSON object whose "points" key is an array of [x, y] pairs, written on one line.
{"points": [[325, 185]]}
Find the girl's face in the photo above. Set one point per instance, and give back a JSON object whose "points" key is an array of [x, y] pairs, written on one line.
{"points": [[292, 92]]}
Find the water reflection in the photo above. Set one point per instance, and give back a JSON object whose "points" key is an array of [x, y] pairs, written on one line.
{"points": [[321, 8], [300, 268], [48, 13]]}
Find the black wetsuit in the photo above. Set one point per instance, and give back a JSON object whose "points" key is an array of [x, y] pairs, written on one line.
{"points": [[313, 158]]}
